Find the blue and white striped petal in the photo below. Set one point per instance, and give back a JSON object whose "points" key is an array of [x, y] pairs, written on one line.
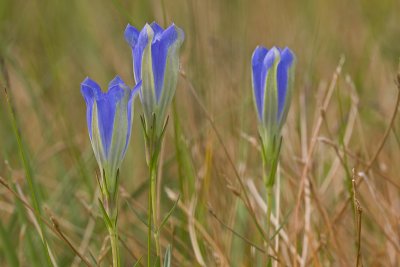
{"points": [[155, 62], [109, 118], [272, 76]]}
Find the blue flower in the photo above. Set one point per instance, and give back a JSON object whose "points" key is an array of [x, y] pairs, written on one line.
{"points": [[272, 77], [156, 63], [109, 118]]}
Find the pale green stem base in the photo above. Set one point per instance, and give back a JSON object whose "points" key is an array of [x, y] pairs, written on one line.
{"points": [[149, 230], [153, 210], [154, 207], [113, 233], [269, 212]]}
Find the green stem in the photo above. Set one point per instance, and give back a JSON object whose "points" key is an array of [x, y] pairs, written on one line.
{"points": [[149, 229], [109, 208], [113, 232], [267, 172], [153, 176], [269, 211]]}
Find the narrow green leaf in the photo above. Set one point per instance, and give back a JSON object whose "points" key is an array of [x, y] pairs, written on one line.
{"points": [[186, 172], [29, 177], [140, 217], [285, 220], [137, 263], [106, 218], [164, 221], [8, 247]]}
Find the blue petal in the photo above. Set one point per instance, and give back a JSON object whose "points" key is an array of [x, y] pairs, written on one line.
{"points": [[106, 107], [157, 29], [131, 35], [257, 66], [138, 53], [159, 52], [116, 82], [269, 60], [90, 91], [282, 79]]}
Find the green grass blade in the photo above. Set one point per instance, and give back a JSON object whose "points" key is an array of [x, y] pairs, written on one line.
{"points": [[138, 261], [8, 247], [164, 221], [29, 177]]}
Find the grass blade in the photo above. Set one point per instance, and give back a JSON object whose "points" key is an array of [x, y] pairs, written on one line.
{"points": [[167, 261], [164, 221], [8, 247], [29, 177]]}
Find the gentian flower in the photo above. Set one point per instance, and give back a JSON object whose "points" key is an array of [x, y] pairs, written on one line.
{"points": [[156, 63], [272, 77], [109, 119]]}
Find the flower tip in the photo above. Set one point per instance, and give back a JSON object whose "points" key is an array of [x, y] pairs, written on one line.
{"points": [[117, 81], [131, 35], [287, 49], [117, 77], [129, 28], [287, 56], [155, 24], [86, 80], [260, 49], [179, 32], [148, 30], [258, 55], [275, 49], [90, 89]]}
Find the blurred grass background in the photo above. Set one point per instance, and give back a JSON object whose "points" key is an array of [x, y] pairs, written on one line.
{"points": [[48, 47]]}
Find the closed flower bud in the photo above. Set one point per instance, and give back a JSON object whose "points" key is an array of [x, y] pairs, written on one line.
{"points": [[272, 78]]}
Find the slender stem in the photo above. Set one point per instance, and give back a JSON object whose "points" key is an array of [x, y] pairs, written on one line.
{"points": [[109, 208], [277, 208], [268, 188], [269, 212], [149, 229], [113, 232], [153, 176], [153, 144]]}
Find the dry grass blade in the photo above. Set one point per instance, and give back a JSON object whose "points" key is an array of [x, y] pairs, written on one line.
{"points": [[313, 142], [57, 231], [358, 217], [224, 261], [388, 129], [237, 175], [260, 202], [56, 226]]}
